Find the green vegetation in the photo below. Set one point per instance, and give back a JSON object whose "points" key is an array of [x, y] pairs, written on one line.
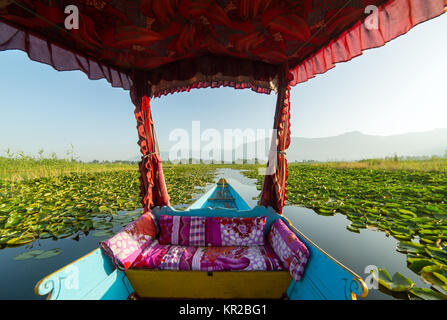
{"points": [[54, 198], [38, 254], [407, 200], [70, 198], [435, 164], [398, 283], [25, 167]]}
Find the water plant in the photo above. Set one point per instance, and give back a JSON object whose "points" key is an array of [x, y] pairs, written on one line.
{"points": [[409, 205], [74, 203]]}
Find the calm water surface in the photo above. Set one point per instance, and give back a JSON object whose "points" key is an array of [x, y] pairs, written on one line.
{"points": [[356, 251]]}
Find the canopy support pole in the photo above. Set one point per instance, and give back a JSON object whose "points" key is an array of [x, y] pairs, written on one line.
{"points": [[153, 190], [275, 182]]}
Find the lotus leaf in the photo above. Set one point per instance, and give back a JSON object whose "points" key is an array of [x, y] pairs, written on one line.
{"points": [[352, 229], [104, 233], [417, 264], [427, 294], [437, 280], [28, 255], [49, 254], [398, 283]]}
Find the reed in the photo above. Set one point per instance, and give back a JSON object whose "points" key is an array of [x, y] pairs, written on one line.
{"points": [[426, 165], [17, 169]]}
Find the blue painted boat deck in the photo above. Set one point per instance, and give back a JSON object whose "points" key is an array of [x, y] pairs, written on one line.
{"points": [[222, 195], [94, 276]]}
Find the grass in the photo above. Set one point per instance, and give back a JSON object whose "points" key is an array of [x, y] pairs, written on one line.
{"points": [[431, 165], [24, 168], [405, 199], [54, 198]]}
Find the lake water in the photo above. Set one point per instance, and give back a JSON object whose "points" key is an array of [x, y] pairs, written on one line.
{"points": [[356, 251]]}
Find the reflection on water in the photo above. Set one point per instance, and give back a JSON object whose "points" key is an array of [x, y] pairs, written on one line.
{"points": [[356, 251]]}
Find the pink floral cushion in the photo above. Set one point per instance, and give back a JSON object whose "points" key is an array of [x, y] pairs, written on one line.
{"points": [[175, 257], [212, 231], [292, 252], [127, 245]]}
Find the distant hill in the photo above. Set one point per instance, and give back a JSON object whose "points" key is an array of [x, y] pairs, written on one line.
{"points": [[357, 146]]}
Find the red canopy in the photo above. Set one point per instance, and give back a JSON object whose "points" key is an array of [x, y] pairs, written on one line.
{"points": [[166, 46]]}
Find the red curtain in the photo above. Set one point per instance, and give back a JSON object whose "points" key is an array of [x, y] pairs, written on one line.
{"points": [[153, 190], [275, 182], [393, 19]]}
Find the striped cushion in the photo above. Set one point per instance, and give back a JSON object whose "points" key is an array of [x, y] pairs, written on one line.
{"points": [[211, 231]]}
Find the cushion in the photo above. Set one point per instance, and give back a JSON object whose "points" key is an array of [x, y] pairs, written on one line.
{"points": [[292, 252], [182, 230], [229, 258], [212, 231], [129, 243]]}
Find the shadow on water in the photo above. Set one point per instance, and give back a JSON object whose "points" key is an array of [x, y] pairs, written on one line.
{"points": [[354, 250]]}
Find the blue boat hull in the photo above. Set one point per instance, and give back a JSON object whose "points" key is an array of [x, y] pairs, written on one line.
{"points": [[94, 277]]}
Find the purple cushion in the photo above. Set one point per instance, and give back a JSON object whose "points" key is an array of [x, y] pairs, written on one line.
{"points": [[292, 252], [212, 231]]}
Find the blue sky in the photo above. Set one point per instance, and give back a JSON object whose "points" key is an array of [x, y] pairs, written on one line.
{"points": [[395, 89]]}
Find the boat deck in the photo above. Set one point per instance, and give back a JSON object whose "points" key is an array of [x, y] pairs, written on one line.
{"points": [[222, 197]]}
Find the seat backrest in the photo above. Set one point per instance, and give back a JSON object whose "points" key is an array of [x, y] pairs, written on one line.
{"points": [[258, 211]]}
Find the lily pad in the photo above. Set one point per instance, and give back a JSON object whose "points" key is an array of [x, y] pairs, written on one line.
{"points": [[427, 294], [398, 283], [104, 233], [402, 237], [61, 206], [436, 280], [28, 255], [20, 241], [102, 225], [417, 264], [437, 253], [49, 254], [352, 229], [410, 247]]}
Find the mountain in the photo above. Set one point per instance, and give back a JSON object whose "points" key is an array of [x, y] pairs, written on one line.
{"points": [[356, 146]]}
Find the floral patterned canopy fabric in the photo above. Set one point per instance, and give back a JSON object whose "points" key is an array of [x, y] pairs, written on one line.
{"points": [[177, 45], [116, 37]]}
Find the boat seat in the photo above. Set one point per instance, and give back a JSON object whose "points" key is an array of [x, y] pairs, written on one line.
{"points": [[207, 244], [230, 254], [190, 258]]}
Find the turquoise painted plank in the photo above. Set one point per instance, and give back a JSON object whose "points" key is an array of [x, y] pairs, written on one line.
{"points": [[240, 203], [115, 287], [91, 277], [202, 200], [324, 278]]}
